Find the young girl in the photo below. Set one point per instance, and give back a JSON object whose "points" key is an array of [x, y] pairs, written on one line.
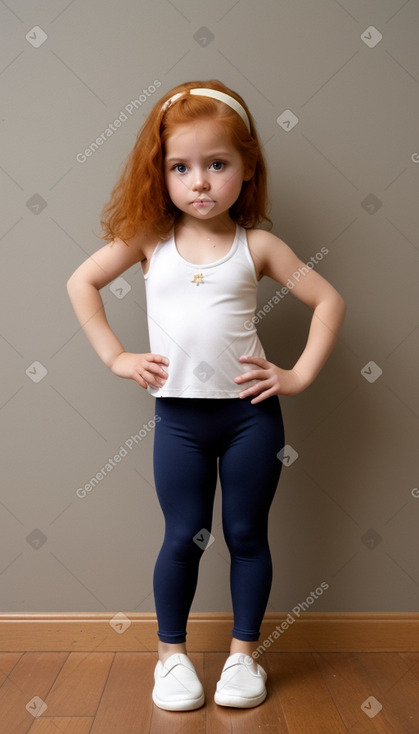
{"points": [[185, 207]]}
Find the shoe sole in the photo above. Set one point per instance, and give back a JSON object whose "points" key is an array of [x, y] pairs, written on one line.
{"points": [[239, 701], [186, 705]]}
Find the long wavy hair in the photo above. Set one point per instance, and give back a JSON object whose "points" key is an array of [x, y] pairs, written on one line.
{"points": [[140, 202]]}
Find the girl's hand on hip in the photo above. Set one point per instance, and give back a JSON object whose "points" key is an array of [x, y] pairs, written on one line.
{"points": [[271, 380], [145, 369]]}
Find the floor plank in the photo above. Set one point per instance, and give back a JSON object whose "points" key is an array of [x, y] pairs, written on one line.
{"points": [[28, 685], [356, 693], [8, 661], [110, 693], [61, 725], [412, 661], [398, 688], [304, 697], [79, 685], [126, 705]]}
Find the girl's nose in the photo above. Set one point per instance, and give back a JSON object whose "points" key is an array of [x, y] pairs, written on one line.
{"points": [[200, 180]]}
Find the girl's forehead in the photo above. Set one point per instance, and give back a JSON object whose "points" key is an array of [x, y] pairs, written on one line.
{"points": [[198, 132]]}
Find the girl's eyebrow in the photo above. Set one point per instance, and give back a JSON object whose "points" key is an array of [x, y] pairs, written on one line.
{"points": [[217, 154]]}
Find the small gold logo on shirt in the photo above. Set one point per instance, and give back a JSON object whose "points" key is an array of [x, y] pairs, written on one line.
{"points": [[198, 279]]}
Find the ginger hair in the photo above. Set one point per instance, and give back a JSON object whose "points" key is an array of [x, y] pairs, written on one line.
{"points": [[139, 201]]}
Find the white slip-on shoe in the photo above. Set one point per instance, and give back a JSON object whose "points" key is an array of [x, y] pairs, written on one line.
{"points": [[242, 683], [176, 685]]}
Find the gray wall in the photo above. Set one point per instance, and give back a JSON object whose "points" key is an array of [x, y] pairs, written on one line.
{"points": [[345, 177]]}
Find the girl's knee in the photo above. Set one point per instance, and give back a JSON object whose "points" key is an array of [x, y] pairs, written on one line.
{"points": [[184, 546], [245, 539]]}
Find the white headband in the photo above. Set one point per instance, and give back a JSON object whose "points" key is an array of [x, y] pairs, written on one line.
{"points": [[215, 94]]}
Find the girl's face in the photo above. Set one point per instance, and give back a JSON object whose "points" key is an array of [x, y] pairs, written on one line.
{"points": [[203, 170]]}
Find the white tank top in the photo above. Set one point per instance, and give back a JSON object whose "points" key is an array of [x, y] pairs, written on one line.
{"points": [[200, 318]]}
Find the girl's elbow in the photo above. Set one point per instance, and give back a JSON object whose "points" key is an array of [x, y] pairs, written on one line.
{"points": [[75, 283], [340, 306], [71, 283], [333, 301]]}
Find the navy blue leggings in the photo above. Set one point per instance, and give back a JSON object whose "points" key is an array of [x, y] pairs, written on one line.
{"points": [[191, 435]]}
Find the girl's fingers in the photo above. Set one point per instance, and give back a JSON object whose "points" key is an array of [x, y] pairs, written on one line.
{"points": [[263, 396], [254, 389], [259, 361], [156, 370], [253, 375], [262, 373], [154, 365], [158, 358], [153, 375]]}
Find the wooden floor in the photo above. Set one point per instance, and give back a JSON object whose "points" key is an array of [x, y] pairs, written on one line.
{"points": [[110, 693]]}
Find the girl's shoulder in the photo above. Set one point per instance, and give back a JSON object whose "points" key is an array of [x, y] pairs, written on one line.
{"points": [[264, 247], [143, 243], [261, 238]]}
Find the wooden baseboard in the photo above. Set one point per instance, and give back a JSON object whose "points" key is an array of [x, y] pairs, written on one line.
{"points": [[211, 632]]}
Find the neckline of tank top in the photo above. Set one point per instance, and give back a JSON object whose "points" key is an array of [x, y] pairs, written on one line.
{"points": [[214, 263]]}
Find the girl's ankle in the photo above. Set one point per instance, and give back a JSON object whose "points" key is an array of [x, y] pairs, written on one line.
{"points": [[168, 649]]}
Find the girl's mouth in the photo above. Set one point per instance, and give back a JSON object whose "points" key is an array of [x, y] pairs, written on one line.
{"points": [[203, 205]]}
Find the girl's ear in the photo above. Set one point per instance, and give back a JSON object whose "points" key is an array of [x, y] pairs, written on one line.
{"points": [[249, 172]]}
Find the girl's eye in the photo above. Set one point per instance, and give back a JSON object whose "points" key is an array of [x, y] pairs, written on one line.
{"points": [[218, 165], [179, 168]]}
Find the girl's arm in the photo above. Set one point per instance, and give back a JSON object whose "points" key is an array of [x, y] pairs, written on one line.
{"points": [[275, 259], [83, 289]]}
